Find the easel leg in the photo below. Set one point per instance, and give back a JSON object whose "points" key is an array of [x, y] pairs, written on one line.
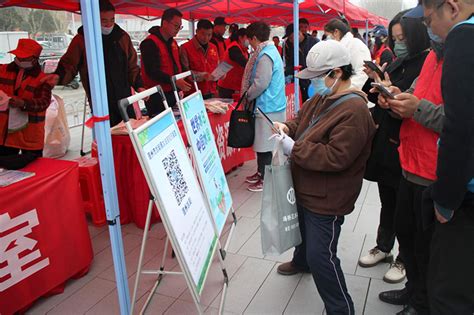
{"points": [[142, 252], [231, 232]]}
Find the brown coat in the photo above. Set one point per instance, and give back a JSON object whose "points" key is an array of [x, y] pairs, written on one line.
{"points": [[328, 163]]}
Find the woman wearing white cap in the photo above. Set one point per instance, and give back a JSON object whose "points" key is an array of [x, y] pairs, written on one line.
{"points": [[328, 143]]}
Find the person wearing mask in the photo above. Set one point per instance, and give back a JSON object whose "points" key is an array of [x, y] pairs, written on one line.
{"points": [[328, 145], [451, 197], [315, 35], [236, 55], [336, 29], [120, 59], [306, 42], [409, 40], [25, 99], [264, 82], [383, 53], [160, 61], [422, 110], [276, 41], [201, 57], [220, 26]]}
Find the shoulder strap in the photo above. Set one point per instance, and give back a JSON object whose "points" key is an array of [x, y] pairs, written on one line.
{"points": [[333, 105]]}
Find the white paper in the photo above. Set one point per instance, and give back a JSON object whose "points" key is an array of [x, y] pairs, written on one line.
{"points": [[8, 177], [221, 70]]}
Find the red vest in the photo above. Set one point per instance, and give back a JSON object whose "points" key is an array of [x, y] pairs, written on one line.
{"points": [[201, 61], [221, 46], [379, 53], [233, 78], [167, 63], [419, 145], [31, 137]]}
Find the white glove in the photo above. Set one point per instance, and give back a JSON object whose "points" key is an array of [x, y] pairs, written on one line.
{"points": [[287, 144]]}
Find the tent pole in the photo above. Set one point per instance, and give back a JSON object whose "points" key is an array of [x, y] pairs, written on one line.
{"points": [[95, 66], [296, 49], [367, 32]]}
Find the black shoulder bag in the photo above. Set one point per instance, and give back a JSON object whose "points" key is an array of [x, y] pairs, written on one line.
{"points": [[242, 125]]}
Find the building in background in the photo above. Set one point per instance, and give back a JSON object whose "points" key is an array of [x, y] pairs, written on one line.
{"points": [[386, 8]]}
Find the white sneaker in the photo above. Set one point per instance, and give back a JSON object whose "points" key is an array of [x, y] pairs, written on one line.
{"points": [[396, 273], [374, 257]]}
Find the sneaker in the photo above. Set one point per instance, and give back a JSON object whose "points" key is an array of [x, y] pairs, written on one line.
{"points": [[396, 273], [253, 178], [374, 257], [289, 269], [257, 187]]}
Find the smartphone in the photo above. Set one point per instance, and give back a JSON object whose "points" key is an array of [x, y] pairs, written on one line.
{"points": [[372, 66], [383, 90], [269, 121]]}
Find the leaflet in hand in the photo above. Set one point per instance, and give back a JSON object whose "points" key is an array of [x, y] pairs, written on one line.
{"points": [[221, 70]]}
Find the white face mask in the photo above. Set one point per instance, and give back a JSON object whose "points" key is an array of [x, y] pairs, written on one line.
{"points": [[24, 64], [246, 43], [107, 30]]}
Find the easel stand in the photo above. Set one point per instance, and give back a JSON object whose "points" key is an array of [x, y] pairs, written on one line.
{"points": [[171, 236]]}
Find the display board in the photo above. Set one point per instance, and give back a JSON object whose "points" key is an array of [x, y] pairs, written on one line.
{"points": [[206, 157], [182, 206]]}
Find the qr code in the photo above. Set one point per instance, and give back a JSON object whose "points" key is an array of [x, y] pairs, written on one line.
{"points": [[175, 176]]}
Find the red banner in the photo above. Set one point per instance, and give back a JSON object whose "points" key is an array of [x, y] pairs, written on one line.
{"points": [[290, 101], [44, 239]]}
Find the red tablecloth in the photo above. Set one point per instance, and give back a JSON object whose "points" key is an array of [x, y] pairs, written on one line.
{"points": [[44, 239], [132, 189]]}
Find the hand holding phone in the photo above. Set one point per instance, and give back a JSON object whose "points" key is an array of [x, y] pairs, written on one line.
{"points": [[383, 90], [372, 66]]}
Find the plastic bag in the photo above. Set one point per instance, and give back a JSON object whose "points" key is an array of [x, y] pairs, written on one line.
{"points": [[56, 137]]}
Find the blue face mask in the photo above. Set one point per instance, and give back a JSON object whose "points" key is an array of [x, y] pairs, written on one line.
{"points": [[433, 36], [320, 87]]}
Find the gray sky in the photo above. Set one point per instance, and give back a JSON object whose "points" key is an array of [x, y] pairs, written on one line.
{"points": [[386, 8]]}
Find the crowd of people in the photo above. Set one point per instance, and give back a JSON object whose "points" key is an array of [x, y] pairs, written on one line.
{"points": [[416, 143]]}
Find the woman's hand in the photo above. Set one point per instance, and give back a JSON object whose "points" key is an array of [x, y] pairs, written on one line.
{"points": [[281, 127]]}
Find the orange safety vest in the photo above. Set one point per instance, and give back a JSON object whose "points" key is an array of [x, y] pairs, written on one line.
{"points": [[201, 61], [32, 136], [167, 63], [233, 78], [418, 148]]}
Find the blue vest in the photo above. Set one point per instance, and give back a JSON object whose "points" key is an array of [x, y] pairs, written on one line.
{"points": [[470, 185], [273, 99]]}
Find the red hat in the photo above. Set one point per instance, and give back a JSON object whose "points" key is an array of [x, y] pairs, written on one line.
{"points": [[27, 48]]}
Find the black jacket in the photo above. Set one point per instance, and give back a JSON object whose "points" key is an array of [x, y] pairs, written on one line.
{"points": [[383, 165]]}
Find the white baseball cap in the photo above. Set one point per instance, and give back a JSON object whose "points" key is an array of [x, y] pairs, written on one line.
{"points": [[323, 57]]}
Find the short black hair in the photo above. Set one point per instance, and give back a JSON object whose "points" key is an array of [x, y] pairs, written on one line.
{"points": [[303, 21], [205, 25], [260, 30], [336, 24], [276, 37], [106, 6], [347, 72], [239, 33], [414, 31], [170, 13]]}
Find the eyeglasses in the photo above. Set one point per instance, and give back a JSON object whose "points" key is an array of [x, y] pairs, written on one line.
{"points": [[426, 20], [177, 26]]}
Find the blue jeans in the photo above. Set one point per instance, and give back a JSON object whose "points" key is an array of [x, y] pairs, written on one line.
{"points": [[318, 253]]}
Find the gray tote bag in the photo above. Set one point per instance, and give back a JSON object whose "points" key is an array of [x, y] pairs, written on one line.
{"points": [[279, 217]]}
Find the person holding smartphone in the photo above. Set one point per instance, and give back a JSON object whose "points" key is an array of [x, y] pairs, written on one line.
{"points": [[409, 40]]}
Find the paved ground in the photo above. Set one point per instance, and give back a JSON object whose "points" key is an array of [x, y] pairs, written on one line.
{"points": [[255, 287]]}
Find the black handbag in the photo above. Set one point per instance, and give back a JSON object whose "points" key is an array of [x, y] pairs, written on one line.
{"points": [[242, 125]]}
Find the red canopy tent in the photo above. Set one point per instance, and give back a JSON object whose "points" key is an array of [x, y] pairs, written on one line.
{"points": [[275, 12]]}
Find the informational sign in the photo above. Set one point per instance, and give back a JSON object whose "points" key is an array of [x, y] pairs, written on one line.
{"points": [[182, 205], [206, 157]]}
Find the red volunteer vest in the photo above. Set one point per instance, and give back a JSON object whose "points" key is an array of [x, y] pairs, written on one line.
{"points": [[167, 62], [31, 137], [202, 62], [233, 78], [419, 145]]}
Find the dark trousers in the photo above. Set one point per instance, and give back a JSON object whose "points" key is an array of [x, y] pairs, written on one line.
{"points": [[386, 230], [4, 151], [155, 104], [225, 93], [414, 242], [263, 159], [451, 280], [318, 253]]}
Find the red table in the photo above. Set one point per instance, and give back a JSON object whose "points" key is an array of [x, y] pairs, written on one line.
{"points": [[44, 239], [132, 189]]}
